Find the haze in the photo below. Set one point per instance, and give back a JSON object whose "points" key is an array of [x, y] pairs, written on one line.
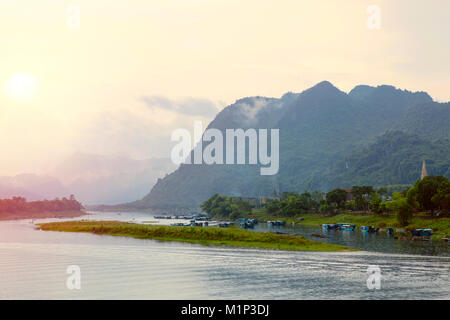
{"points": [[135, 70]]}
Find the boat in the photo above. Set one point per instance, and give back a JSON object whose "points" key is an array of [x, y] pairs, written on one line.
{"points": [[196, 224], [201, 218], [329, 226], [179, 224], [369, 229], [318, 235], [225, 224], [246, 223], [421, 232], [347, 227], [276, 223]]}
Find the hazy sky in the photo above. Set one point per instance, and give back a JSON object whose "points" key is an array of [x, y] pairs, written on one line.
{"points": [[137, 69]]}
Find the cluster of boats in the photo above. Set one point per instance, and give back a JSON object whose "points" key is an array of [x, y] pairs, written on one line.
{"points": [[352, 227], [193, 223], [250, 223], [197, 221], [247, 223], [198, 218], [339, 226], [372, 229]]}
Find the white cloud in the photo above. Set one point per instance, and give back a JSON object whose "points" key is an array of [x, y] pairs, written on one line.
{"points": [[187, 106]]}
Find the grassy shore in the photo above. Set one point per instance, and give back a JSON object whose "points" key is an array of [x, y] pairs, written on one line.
{"points": [[40, 215], [440, 226], [232, 237]]}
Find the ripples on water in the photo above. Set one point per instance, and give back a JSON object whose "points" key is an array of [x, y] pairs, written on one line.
{"points": [[33, 266]]}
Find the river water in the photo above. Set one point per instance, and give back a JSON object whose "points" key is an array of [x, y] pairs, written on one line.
{"points": [[33, 265]]}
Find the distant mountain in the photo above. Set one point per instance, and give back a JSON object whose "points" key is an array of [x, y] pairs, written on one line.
{"points": [[98, 179], [93, 179], [319, 129], [32, 187]]}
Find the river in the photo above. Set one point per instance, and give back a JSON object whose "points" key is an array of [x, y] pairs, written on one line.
{"points": [[33, 265]]}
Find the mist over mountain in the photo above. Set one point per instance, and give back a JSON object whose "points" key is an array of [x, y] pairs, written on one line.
{"points": [[328, 138], [103, 179], [32, 187], [92, 178]]}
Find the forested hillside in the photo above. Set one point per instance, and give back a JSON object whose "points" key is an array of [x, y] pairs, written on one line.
{"points": [[328, 138]]}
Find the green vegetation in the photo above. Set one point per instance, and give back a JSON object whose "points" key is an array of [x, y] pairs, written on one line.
{"points": [[223, 207], [337, 198], [206, 236], [431, 193], [394, 158], [20, 205], [401, 207], [416, 207]]}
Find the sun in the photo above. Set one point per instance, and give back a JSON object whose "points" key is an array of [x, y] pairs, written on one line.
{"points": [[21, 86]]}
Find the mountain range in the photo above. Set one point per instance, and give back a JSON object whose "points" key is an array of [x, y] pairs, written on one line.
{"points": [[92, 178], [328, 138]]}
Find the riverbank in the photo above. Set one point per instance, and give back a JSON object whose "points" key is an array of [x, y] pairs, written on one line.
{"points": [[40, 215], [232, 237], [440, 226]]}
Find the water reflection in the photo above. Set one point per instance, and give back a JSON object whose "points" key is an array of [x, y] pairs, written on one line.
{"points": [[378, 242], [33, 266]]}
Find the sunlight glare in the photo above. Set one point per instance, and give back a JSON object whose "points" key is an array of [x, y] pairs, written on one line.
{"points": [[21, 86]]}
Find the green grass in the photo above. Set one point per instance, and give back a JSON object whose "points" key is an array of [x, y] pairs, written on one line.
{"points": [[233, 237]]}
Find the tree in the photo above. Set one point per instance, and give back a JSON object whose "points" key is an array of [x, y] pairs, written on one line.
{"points": [[350, 205], [382, 191], [401, 207], [375, 203], [424, 190], [226, 207], [337, 197], [325, 208], [362, 195], [272, 206], [20, 204], [292, 205], [403, 211], [441, 199]]}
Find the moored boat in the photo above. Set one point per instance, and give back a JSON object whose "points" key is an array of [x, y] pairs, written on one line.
{"points": [[369, 229], [276, 223], [329, 226], [422, 232], [347, 227], [225, 224], [246, 223]]}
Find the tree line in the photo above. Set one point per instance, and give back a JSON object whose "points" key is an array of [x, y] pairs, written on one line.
{"points": [[20, 204], [431, 194]]}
